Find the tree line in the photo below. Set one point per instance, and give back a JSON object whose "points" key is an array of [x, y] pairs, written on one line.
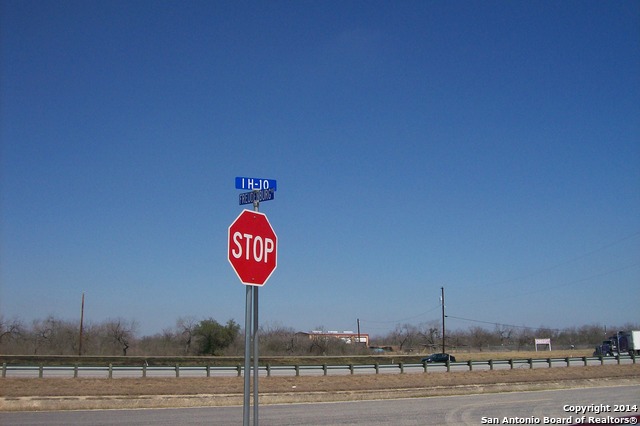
{"points": [[192, 337], [118, 336], [410, 337]]}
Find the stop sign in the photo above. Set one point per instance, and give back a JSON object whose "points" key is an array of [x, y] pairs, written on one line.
{"points": [[252, 247]]}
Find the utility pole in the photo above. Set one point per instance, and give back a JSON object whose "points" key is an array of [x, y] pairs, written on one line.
{"points": [[81, 321], [443, 336]]}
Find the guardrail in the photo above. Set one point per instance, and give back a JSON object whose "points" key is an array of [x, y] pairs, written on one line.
{"points": [[10, 370]]}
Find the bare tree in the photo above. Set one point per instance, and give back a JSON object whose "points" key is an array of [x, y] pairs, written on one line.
{"points": [[166, 343], [479, 337], [325, 344], [276, 339], [52, 336], [523, 338], [405, 336], [504, 334], [429, 334], [41, 332], [10, 331], [121, 333], [186, 327]]}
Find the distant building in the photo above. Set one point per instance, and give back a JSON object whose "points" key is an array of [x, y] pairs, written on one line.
{"points": [[346, 336]]}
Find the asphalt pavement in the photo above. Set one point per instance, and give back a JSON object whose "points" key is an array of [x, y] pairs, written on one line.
{"points": [[564, 406]]}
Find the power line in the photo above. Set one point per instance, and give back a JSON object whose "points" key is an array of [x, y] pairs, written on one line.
{"points": [[403, 319], [566, 262], [598, 275], [501, 324]]}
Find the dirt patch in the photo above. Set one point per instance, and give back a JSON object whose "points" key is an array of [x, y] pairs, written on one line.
{"points": [[58, 393]]}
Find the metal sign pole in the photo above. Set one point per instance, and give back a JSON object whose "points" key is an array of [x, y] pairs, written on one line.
{"points": [[255, 356], [256, 205], [246, 413]]}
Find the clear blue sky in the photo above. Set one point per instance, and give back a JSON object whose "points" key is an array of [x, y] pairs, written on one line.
{"points": [[490, 147]]}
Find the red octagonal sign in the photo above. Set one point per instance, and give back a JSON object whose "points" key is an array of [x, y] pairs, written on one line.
{"points": [[253, 248]]}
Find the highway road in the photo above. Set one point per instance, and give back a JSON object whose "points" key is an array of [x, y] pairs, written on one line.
{"points": [[555, 405], [33, 371]]}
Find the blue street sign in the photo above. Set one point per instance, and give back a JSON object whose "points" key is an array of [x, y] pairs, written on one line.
{"points": [[255, 183], [262, 195]]}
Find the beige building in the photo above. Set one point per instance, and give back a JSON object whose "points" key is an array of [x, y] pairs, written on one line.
{"points": [[346, 336]]}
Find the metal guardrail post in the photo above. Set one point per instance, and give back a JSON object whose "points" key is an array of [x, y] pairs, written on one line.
{"points": [[424, 365], [324, 369], [239, 368], [511, 363], [491, 364], [177, 370], [268, 370], [110, 371], [601, 360], [448, 366], [530, 361], [41, 371], [567, 359], [144, 370], [297, 368], [208, 369], [549, 362], [584, 360], [4, 370], [470, 364], [351, 368], [75, 371], [377, 367]]}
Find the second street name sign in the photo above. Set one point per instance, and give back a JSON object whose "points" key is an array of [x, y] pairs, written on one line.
{"points": [[253, 196]]}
